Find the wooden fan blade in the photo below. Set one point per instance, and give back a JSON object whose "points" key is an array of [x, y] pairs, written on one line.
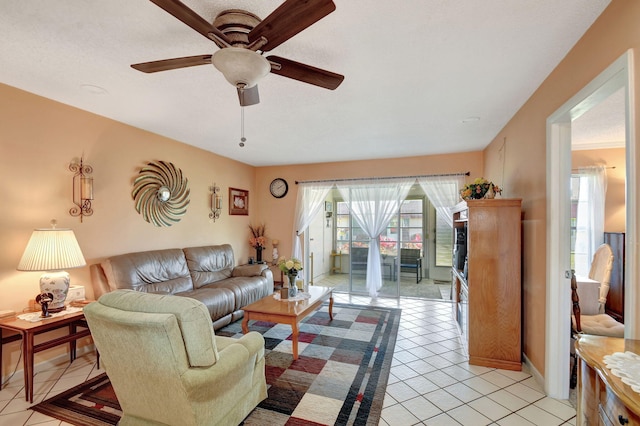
{"points": [[172, 64], [248, 96], [192, 19], [305, 73], [289, 19]]}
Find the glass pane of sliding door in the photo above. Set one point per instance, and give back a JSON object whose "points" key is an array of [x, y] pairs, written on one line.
{"points": [[359, 252], [403, 235], [389, 258], [353, 243], [402, 251]]}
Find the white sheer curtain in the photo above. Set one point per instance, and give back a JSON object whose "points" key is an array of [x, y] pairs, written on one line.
{"points": [[443, 193], [373, 203], [590, 216], [310, 201]]}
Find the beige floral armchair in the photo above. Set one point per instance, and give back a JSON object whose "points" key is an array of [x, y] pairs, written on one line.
{"points": [[167, 366]]}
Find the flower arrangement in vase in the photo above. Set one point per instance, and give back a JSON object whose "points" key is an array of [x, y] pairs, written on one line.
{"points": [[480, 188], [290, 267], [258, 240]]}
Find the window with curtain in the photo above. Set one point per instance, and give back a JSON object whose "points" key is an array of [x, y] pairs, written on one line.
{"points": [[588, 189], [373, 204], [405, 230], [365, 218], [443, 194], [444, 242]]}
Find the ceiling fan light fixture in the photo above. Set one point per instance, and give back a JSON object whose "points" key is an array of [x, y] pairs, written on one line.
{"points": [[241, 67]]}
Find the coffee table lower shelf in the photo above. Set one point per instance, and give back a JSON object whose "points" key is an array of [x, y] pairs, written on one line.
{"points": [[284, 312]]}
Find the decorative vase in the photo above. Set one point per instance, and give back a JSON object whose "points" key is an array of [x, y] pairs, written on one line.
{"points": [[57, 284], [293, 290], [259, 254], [491, 194]]}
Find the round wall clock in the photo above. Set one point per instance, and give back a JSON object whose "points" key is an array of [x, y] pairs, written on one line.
{"points": [[279, 187]]}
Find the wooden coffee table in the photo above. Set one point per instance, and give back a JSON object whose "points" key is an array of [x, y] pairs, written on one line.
{"points": [[288, 312]]}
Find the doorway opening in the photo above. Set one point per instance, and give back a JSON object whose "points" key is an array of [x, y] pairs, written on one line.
{"points": [[559, 164]]}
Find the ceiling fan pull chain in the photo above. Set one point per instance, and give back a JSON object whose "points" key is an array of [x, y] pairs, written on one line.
{"points": [[242, 138]]}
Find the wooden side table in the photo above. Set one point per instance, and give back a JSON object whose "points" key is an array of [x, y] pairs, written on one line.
{"points": [[603, 398], [28, 330]]}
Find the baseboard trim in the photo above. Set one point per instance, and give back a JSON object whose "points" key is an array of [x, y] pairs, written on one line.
{"points": [[539, 378]]}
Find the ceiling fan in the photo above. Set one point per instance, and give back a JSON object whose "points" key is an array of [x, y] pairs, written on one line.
{"points": [[242, 38]]}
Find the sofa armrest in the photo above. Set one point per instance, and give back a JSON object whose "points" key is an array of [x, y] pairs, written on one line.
{"points": [[249, 270], [98, 281]]}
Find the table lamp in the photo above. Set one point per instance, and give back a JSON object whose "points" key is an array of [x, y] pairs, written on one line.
{"points": [[52, 250]]}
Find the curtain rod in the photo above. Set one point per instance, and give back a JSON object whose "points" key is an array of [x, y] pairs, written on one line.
{"points": [[390, 177], [586, 167]]}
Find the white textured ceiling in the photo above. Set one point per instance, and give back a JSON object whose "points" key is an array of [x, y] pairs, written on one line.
{"points": [[603, 126], [415, 70]]}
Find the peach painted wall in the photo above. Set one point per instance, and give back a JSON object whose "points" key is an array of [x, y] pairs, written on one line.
{"points": [[518, 152], [614, 159], [277, 214], [38, 140]]}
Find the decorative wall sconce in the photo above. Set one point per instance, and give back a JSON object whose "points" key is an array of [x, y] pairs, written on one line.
{"points": [[216, 202], [82, 189]]}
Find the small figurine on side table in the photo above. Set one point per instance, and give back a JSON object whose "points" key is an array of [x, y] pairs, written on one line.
{"points": [[44, 299]]}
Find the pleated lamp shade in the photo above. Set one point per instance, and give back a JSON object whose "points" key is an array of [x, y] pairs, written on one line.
{"points": [[52, 250]]}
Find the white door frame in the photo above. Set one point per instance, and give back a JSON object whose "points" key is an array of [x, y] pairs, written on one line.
{"points": [[558, 289]]}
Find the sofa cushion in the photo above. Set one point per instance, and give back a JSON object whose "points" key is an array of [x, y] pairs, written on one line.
{"points": [[209, 264], [156, 271], [219, 301], [246, 290], [193, 319]]}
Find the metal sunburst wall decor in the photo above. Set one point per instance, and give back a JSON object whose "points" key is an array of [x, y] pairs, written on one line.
{"points": [[161, 193]]}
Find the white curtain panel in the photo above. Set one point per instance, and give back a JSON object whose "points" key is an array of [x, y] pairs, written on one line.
{"points": [[373, 204], [309, 203], [590, 216], [443, 193]]}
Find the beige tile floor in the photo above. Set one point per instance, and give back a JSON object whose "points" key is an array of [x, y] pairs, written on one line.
{"points": [[431, 382]]}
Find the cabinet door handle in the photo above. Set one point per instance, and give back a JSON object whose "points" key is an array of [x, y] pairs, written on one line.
{"points": [[622, 420]]}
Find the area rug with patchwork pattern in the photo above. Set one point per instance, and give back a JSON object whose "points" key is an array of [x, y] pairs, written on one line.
{"points": [[339, 378]]}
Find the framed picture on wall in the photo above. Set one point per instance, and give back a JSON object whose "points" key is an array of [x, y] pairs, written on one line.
{"points": [[328, 206], [238, 201]]}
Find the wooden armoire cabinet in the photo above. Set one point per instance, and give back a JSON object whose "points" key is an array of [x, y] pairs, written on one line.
{"points": [[615, 298], [487, 289]]}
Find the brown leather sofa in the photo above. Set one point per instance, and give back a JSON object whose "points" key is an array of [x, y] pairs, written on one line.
{"points": [[204, 273]]}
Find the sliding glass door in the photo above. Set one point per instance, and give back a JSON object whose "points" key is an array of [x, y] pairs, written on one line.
{"points": [[402, 251]]}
